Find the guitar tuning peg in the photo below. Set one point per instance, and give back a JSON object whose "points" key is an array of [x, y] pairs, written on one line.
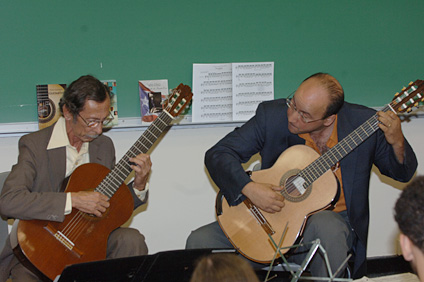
{"points": [[403, 88], [396, 94], [411, 83]]}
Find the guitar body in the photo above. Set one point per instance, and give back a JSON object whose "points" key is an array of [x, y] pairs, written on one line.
{"points": [[41, 241], [249, 237]]}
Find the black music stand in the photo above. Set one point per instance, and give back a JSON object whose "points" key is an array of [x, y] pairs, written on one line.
{"points": [[175, 265]]}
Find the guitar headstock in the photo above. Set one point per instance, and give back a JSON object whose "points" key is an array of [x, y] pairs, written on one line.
{"points": [[409, 97], [178, 100]]}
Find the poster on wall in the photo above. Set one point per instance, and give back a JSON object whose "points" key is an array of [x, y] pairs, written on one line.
{"points": [[152, 93], [48, 97], [111, 84]]}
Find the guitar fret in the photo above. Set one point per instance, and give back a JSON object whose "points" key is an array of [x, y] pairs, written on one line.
{"points": [[147, 139], [138, 150], [124, 174], [127, 169], [349, 140], [164, 123], [159, 130], [140, 142], [333, 157], [106, 188], [357, 134], [115, 180]]}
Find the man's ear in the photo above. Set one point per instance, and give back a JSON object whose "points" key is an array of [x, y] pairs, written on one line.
{"points": [[66, 113], [406, 246], [329, 120]]}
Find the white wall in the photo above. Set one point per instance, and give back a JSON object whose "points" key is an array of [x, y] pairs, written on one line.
{"points": [[182, 197]]}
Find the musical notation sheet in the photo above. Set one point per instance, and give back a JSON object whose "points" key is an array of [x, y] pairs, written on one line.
{"points": [[253, 83], [230, 91], [213, 93]]}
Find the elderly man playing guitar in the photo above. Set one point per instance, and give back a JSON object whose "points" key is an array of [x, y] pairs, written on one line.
{"points": [[34, 190]]}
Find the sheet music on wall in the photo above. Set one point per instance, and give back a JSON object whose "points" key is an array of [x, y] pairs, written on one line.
{"points": [[230, 91]]}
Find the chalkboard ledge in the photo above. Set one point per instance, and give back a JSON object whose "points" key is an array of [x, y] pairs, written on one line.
{"points": [[125, 124], [129, 123]]}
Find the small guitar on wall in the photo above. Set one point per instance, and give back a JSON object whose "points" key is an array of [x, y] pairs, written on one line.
{"points": [[48, 247], [308, 187]]}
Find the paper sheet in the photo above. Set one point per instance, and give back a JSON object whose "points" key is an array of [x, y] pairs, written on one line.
{"points": [[403, 277], [253, 83], [231, 91], [212, 89]]}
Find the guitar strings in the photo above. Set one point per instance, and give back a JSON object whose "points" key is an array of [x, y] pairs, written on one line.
{"points": [[328, 159], [75, 227]]}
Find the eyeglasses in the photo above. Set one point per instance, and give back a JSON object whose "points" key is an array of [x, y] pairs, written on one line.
{"points": [[291, 105], [95, 123]]}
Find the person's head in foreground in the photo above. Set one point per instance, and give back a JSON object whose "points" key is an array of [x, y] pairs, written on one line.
{"points": [[223, 267], [409, 214]]}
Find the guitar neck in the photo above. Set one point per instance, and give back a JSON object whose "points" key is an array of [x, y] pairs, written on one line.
{"points": [[120, 172], [317, 168]]}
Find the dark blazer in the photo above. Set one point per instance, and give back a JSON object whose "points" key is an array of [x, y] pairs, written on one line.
{"points": [[30, 191], [267, 134]]}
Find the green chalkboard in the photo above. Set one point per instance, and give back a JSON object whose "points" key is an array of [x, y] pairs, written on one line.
{"points": [[373, 47]]}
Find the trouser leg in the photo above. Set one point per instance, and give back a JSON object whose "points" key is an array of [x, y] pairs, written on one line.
{"points": [[335, 237], [126, 242], [209, 236]]}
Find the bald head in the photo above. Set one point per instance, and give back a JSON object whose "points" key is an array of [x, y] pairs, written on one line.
{"points": [[334, 90]]}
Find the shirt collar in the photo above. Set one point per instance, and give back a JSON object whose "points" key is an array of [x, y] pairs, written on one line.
{"points": [[59, 137], [332, 141]]}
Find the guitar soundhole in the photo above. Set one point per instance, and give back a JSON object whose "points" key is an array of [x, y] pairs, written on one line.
{"points": [[294, 189], [46, 110]]}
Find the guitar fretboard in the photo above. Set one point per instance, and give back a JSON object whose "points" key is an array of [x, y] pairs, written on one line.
{"points": [[120, 172], [318, 167]]}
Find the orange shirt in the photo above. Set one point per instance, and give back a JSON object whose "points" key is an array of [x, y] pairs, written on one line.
{"points": [[332, 141]]}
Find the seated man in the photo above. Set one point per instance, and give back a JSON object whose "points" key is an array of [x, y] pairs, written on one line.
{"points": [[316, 116], [47, 157], [409, 214]]}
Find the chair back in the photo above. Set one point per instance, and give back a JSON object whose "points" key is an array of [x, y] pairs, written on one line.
{"points": [[4, 228]]}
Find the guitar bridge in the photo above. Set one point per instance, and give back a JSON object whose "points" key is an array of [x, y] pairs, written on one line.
{"points": [[65, 241], [259, 217]]}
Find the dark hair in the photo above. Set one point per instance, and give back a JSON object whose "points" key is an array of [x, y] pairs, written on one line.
{"points": [[409, 212], [335, 90], [223, 267], [85, 88]]}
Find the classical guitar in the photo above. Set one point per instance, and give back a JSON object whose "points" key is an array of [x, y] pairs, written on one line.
{"points": [[47, 247], [309, 186]]}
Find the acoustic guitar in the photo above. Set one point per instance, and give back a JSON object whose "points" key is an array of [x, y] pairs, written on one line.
{"points": [[308, 185], [48, 247]]}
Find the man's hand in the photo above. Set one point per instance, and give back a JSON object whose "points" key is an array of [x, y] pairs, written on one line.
{"points": [[142, 166], [265, 196], [90, 202], [390, 125]]}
